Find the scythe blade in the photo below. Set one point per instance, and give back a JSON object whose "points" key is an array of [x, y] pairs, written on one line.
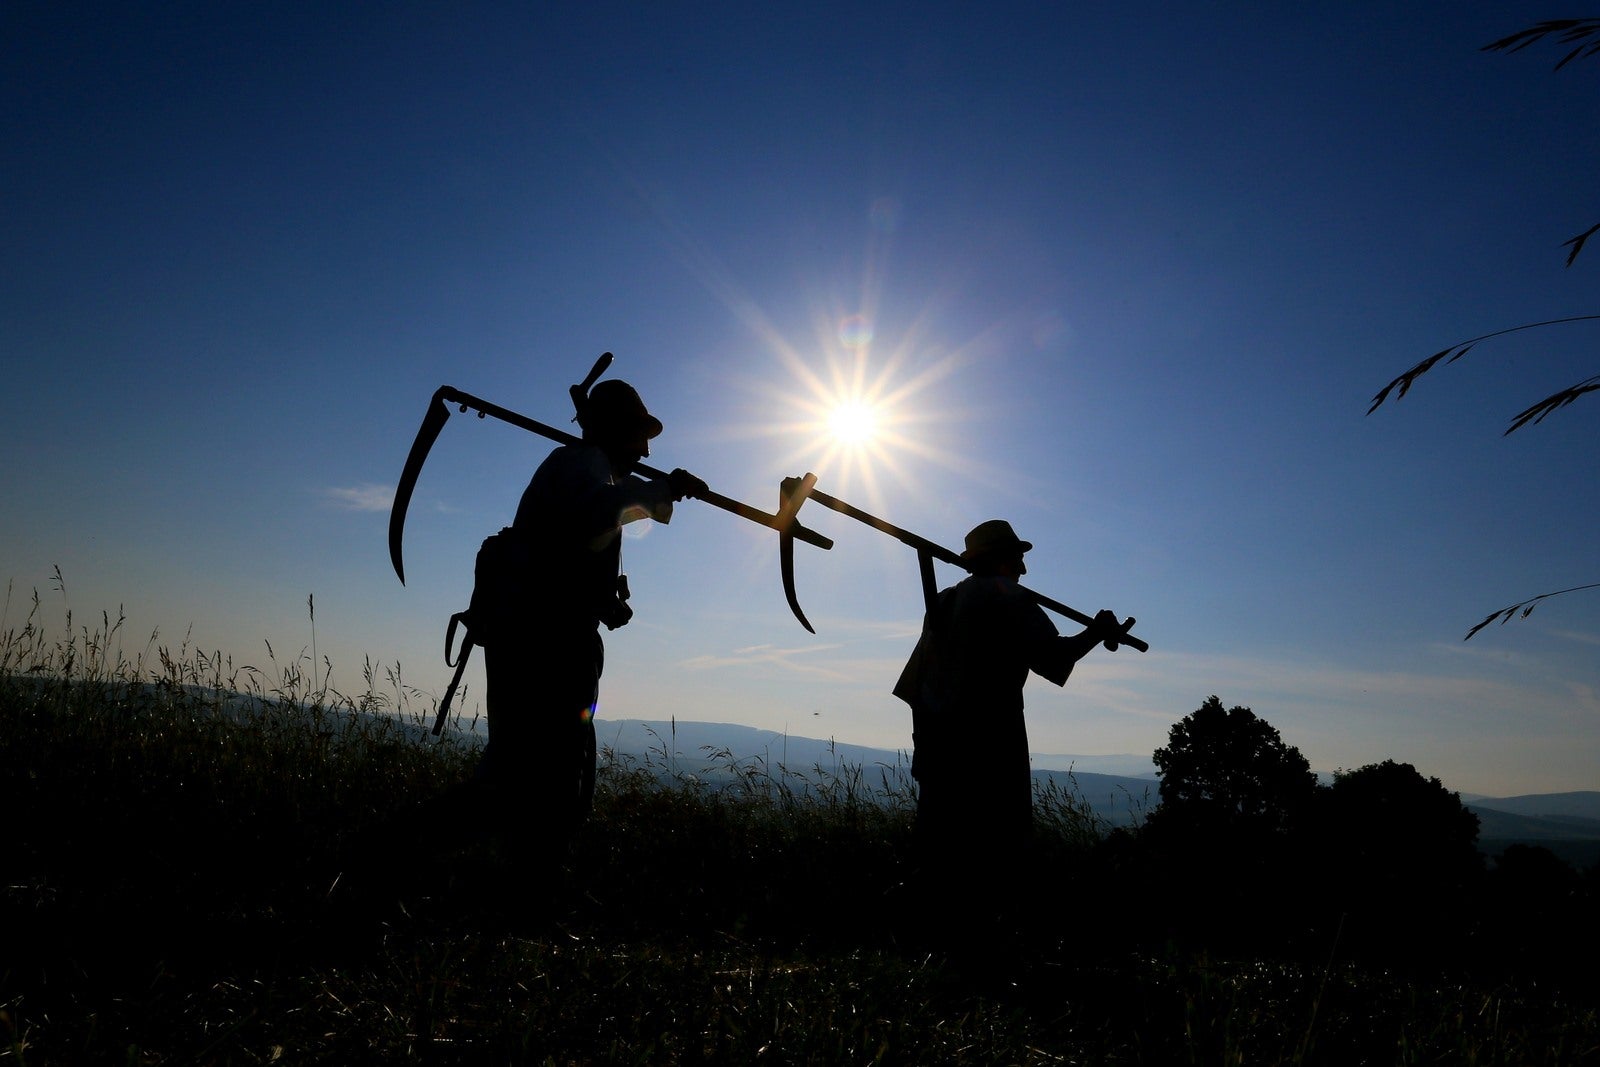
{"points": [[786, 562], [432, 423], [791, 494]]}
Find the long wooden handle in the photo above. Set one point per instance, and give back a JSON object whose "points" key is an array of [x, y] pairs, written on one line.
{"points": [[715, 499], [927, 547]]}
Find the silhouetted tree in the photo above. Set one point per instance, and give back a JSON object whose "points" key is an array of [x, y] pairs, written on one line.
{"points": [[1525, 875], [1216, 853], [1398, 866], [1401, 860], [1584, 36], [1401, 827], [1227, 771], [1538, 916]]}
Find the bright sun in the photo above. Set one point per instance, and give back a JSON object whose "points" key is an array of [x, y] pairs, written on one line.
{"points": [[859, 418], [853, 423], [858, 410]]}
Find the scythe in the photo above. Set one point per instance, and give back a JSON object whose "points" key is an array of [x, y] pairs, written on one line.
{"points": [[439, 413], [795, 491]]}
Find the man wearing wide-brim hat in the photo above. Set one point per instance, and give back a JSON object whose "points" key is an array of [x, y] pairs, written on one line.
{"points": [[543, 674], [980, 640]]}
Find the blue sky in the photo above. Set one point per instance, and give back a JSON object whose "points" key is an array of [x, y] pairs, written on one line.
{"points": [[1126, 278]]}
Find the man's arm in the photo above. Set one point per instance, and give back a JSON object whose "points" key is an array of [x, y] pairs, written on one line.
{"points": [[1062, 652], [606, 502], [628, 498]]}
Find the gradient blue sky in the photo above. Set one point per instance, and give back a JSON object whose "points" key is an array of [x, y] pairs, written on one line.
{"points": [[1127, 278]]}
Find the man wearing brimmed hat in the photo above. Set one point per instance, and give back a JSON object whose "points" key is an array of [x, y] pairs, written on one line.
{"points": [[980, 640], [543, 678]]}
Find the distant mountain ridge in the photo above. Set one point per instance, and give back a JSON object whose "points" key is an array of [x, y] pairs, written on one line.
{"points": [[1120, 788], [1567, 824], [1581, 803], [688, 741]]}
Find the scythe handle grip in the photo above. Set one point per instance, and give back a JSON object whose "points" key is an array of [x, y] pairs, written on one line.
{"points": [[450, 690]]}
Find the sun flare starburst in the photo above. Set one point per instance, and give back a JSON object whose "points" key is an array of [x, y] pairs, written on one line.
{"points": [[858, 416], [864, 400], [853, 423]]}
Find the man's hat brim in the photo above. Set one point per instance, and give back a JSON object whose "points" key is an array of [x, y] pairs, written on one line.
{"points": [[614, 406], [994, 537]]}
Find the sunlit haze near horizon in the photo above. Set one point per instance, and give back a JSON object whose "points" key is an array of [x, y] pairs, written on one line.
{"points": [[1128, 279]]}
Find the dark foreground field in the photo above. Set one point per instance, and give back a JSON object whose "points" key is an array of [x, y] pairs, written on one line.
{"points": [[184, 886]]}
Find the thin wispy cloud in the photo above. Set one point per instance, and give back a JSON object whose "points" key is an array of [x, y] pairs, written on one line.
{"points": [[1574, 635], [364, 497], [1286, 683], [769, 656]]}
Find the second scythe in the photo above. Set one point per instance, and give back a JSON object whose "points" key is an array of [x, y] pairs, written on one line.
{"points": [[796, 491]]}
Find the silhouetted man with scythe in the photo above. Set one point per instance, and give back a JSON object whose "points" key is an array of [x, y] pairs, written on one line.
{"points": [[980, 639], [543, 665]]}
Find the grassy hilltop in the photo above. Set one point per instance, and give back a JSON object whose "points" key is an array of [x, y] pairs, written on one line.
{"points": [[190, 878]]}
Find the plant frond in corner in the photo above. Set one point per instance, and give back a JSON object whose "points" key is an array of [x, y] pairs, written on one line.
{"points": [[1404, 381], [1524, 608], [1455, 352], [1565, 31], [1537, 412], [1578, 242]]}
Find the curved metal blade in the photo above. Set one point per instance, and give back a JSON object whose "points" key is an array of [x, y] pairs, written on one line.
{"points": [[792, 492], [432, 423], [786, 561]]}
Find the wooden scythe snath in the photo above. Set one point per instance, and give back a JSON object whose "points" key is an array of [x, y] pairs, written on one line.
{"points": [[433, 421], [796, 491], [439, 413]]}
